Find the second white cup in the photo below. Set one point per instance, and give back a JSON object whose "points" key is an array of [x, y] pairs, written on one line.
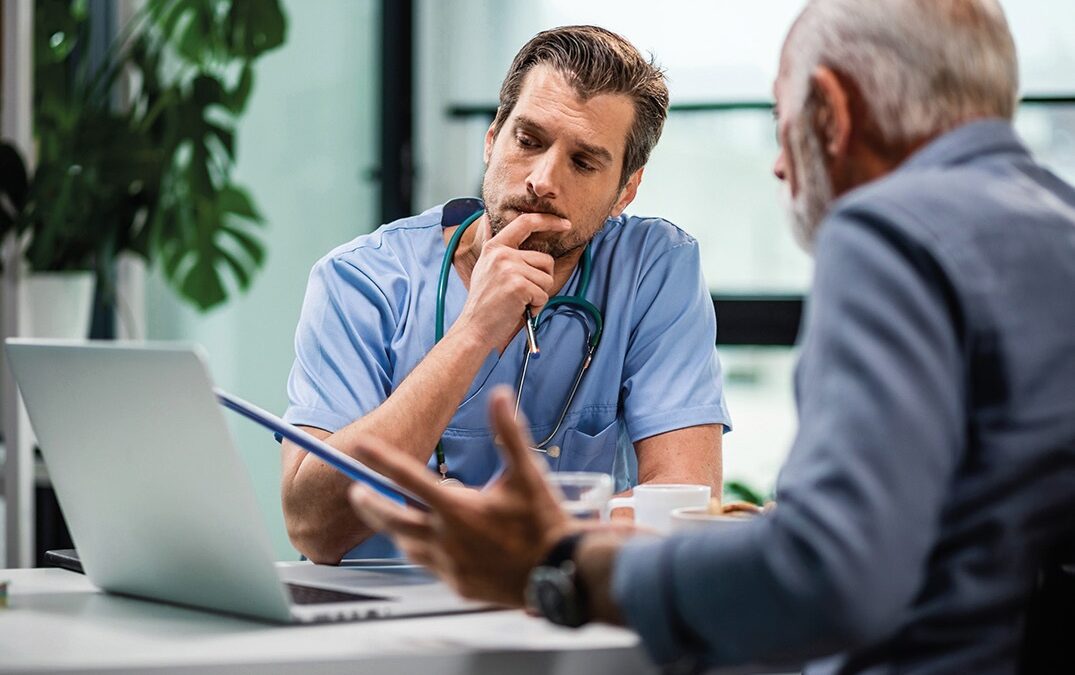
{"points": [[653, 503]]}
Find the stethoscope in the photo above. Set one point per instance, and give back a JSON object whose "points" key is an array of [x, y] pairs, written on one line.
{"points": [[577, 302]]}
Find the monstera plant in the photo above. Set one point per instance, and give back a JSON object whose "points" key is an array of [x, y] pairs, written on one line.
{"points": [[136, 143]]}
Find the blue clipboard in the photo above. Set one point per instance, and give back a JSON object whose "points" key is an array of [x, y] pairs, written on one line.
{"points": [[345, 464]]}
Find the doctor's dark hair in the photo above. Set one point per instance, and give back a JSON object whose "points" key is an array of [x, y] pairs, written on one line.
{"points": [[596, 61]]}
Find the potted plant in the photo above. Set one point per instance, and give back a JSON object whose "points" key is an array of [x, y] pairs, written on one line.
{"points": [[148, 174], [56, 298]]}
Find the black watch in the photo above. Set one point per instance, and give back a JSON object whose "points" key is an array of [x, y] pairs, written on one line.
{"points": [[554, 588]]}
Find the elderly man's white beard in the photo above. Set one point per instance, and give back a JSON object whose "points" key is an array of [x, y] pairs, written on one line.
{"points": [[809, 208]]}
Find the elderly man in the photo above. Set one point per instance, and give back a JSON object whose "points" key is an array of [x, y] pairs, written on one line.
{"points": [[405, 332], [934, 468]]}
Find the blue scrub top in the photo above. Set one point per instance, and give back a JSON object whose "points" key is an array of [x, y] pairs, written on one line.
{"points": [[369, 318]]}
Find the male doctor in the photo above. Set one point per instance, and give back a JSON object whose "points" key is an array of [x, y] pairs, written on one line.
{"points": [[580, 110]]}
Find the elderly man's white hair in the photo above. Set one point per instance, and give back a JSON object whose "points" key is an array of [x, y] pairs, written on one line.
{"points": [[923, 66]]}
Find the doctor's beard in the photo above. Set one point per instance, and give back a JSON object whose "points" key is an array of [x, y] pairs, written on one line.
{"points": [[557, 245]]}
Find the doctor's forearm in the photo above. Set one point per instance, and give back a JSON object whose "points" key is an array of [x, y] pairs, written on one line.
{"points": [[317, 526], [415, 415], [320, 522]]}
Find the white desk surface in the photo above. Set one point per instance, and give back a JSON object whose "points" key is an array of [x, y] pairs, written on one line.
{"points": [[57, 621]]}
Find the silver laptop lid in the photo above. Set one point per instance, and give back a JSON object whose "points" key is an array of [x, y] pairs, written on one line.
{"points": [[156, 497]]}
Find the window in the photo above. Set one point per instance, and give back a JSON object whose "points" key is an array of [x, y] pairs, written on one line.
{"points": [[711, 173]]}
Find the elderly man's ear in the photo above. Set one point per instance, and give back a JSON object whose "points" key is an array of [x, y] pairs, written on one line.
{"points": [[834, 113]]}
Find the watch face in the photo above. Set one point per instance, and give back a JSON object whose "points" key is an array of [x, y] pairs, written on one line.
{"points": [[551, 591]]}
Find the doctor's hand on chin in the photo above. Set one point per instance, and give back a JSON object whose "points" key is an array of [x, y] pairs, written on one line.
{"points": [[506, 279], [482, 543]]}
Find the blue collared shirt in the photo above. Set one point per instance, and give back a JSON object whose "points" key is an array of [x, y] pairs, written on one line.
{"points": [[369, 316]]}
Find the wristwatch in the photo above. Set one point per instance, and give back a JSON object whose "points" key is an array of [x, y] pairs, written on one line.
{"points": [[555, 590]]}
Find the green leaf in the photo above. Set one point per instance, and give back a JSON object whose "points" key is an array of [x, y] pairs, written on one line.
{"points": [[738, 490], [202, 285], [58, 29], [225, 136], [238, 96], [168, 14], [194, 44], [171, 258], [168, 241], [235, 200], [237, 267], [197, 173], [252, 246], [207, 91], [256, 26], [80, 9]]}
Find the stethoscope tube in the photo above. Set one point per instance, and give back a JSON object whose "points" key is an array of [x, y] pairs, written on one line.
{"points": [[575, 301], [446, 268]]}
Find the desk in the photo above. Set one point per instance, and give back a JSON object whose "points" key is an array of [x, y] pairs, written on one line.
{"points": [[57, 620]]}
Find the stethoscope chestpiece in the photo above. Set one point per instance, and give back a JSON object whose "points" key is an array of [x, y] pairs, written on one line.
{"points": [[552, 451]]}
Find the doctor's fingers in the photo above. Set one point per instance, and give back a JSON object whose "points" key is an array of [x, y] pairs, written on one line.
{"points": [[538, 260], [384, 515], [534, 286], [539, 277], [506, 289], [504, 263], [411, 474], [516, 232]]}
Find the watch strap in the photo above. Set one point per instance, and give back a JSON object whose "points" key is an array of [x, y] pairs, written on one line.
{"points": [[562, 551]]}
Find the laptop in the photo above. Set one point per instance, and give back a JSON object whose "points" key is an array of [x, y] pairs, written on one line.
{"points": [[159, 503]]}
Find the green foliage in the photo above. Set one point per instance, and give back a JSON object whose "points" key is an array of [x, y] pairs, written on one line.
{"points": [[153, 176], [735, 490]]}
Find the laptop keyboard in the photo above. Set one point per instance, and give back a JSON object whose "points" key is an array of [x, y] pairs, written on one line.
{"points": [[309, 595]]}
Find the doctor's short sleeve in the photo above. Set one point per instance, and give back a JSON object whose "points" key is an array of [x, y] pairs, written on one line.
{"points": [[342, 368], [671, 376]]}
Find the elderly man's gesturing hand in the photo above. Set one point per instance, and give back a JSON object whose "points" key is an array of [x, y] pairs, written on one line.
{"points": [[482, 543]]}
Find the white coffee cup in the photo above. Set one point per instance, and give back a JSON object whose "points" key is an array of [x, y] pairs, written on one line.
{"points": [[653, 503]]}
